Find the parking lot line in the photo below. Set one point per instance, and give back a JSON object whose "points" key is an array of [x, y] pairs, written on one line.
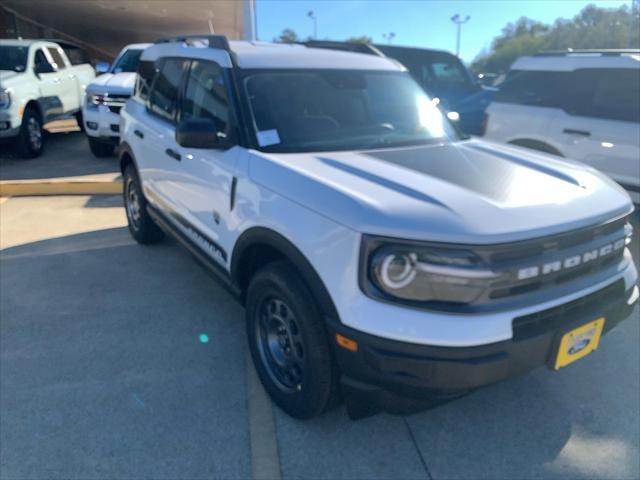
{"points": [[265, 459]]}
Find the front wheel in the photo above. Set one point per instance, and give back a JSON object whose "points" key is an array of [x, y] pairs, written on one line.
{"points": [[100, 149], [288, 342], [140, 223], [31, 137]]}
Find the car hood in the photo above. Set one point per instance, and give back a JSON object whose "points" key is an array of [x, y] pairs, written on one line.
{"points": [[473, 192], [121, 83]]}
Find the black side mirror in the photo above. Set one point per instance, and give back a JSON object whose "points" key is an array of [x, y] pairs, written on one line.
{"points": [[199, 133], [43, 68]]}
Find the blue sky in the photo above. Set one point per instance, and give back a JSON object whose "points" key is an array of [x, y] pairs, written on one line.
{"points": [[423, 23]]}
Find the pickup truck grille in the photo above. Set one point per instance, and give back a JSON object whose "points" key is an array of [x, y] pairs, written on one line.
{"points": [[116, 102], [546, 262]]}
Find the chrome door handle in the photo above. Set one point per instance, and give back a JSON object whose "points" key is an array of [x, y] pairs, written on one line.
{"points": [[71, 75], [56, 80]]}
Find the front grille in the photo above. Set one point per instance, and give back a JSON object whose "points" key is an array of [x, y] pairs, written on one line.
{"points": [[512, 259], [555, 318], [116, 102]]}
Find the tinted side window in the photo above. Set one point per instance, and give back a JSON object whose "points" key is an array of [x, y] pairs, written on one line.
{"points": [[76, 56], [164, 94], [535, 88], [39, 58], [205, 95], [144, 79], [57, 58], [608, 93]]}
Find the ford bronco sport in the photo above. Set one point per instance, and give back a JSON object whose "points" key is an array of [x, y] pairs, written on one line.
{"points": [[382, 257]]}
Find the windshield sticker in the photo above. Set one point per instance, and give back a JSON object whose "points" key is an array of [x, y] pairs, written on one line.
{"points": [[268, 137]]}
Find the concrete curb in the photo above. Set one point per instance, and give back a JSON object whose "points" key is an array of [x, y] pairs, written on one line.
{"points": [[22, 188]]}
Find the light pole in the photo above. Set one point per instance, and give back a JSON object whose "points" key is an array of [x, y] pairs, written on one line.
{"points": [[459, 21], [313, 17], [389, 37]]}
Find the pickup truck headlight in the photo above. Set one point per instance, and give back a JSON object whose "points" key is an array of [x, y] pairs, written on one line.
{"points": [[411, 272], [95, 99], [5, 98]]}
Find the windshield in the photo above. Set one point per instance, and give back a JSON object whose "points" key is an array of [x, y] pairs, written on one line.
{"points": [[323, 110], [13, 58], [127, 62]]}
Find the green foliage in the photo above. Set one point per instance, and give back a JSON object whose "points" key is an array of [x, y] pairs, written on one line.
{"points": [[592, 28], [287, 36], [361, 39]]}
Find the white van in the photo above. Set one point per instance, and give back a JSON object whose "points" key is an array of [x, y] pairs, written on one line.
{"points": [[584, 105]]}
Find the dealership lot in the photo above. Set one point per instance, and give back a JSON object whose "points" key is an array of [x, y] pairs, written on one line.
{"points": [[118, 360]]}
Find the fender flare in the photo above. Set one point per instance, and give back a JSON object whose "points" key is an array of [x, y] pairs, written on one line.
{"points": [[125, 149], [266, 236]]}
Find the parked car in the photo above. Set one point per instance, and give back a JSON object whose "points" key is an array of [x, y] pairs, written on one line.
{"points": [[441, 74], [378, 252], [38, 84], [106, 95], [584, 105]]}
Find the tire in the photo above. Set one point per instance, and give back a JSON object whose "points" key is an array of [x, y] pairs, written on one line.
{"points": [[80, 120], [30, 141], [140, 223], [281, 314], [100, 149]]}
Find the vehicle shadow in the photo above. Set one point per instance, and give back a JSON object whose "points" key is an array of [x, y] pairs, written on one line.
{"points": [[104, 371], [66, 154]]}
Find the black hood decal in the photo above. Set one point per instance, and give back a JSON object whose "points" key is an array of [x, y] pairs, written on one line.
{"points": [[485, 171]]}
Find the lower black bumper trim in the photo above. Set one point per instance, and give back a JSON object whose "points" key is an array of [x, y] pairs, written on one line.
{"points": [[393, 374]]}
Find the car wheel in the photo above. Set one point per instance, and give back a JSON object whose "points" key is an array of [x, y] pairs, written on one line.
{"points": [[80, 120], [100, 149], [141, 225], [288, 342], [31, 137]]}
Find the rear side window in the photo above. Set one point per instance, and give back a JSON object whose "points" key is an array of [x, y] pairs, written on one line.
{"points": [[205, 94], [164, 94], [535, 88], [57, 58], [607, 93], [144, 79], [76, 55]]}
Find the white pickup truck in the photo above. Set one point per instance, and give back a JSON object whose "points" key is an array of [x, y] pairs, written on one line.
{"points": [[38, 83]]}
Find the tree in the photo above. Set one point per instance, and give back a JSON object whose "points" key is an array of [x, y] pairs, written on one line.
{"points": [[592, 28], [287, 36], [361, 39]]}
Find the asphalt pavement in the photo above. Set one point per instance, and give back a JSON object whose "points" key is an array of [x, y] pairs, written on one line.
{"points": [[123, 361]]}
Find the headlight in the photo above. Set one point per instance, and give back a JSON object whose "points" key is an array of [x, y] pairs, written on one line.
{"points": [[419, 273], [95, 99], [628, 233], [5, 98]]}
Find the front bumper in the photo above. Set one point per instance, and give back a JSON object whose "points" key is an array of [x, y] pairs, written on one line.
{"points": [[9, 124], [400, 377], [101, 123]]}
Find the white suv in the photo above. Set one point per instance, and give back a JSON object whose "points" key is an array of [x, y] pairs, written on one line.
{"points": [[106, 95], [581, 105], [380, 255]]}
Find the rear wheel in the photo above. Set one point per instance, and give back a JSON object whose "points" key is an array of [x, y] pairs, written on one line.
{"points": [[288, 342], [100, 149], [80, 120], [31, 137], [140, 223]]}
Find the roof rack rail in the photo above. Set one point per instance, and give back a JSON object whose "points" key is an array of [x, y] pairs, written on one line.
{"points": [[603, 52], [215, 41]]}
